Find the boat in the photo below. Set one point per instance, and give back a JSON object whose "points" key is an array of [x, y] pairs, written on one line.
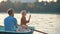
{"points": [[10, 32]]}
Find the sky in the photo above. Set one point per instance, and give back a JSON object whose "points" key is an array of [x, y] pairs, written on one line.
{"points": [[29, 0], [2, 0], [24, 0], [47, 0], [34, 0]]}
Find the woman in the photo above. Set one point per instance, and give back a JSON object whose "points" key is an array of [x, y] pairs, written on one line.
{"points": [[23, 25], [23, 19]]}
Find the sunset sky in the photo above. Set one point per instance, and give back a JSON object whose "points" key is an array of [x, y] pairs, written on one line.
{"points": [[3, 0], [29, 0], [48, 0]]}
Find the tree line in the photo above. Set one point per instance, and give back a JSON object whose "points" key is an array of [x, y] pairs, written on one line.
{"points": [[37, 7]]}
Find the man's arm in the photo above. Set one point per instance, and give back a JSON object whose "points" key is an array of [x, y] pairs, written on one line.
{"points": [[15, 23]]}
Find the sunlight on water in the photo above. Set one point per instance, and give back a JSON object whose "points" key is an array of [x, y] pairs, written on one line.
{"points": [[44, 22]]}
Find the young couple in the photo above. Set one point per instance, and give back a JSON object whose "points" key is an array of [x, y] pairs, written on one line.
{"points": [[10, 22]]}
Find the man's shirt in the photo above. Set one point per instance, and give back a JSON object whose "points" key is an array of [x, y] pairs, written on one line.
{"points": [[10, 23]]}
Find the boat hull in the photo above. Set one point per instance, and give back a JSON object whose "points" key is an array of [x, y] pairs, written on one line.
{"points": [[8, 32]]}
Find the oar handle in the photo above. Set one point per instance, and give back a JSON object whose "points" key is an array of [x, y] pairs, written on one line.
{"points": [[1, 26], [39, 31]]}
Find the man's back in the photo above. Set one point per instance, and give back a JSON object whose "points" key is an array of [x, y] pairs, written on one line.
{"points": [[10, 23]]}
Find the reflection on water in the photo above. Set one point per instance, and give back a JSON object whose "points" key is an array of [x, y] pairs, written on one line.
{"points": [[44, 22]]}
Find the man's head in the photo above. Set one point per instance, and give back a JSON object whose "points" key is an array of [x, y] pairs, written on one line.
{"points": [[10, 12]]}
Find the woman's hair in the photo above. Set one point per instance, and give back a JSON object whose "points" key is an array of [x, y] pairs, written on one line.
{"points": [[9, 11], [23, 11]]}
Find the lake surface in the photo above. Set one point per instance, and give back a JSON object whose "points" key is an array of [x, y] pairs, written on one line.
{"points": [[49, 23]]}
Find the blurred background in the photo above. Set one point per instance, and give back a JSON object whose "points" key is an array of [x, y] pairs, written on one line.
{"points": [[34, 6], [45, 13]]}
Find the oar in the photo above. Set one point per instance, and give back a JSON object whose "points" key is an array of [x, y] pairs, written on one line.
{"points": [[39, 31], [1, 26]]}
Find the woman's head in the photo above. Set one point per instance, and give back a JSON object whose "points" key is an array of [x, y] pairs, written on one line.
{"points": [[23, 12]]}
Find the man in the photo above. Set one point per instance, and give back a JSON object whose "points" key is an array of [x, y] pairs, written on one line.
{"points": [[10, 23]]}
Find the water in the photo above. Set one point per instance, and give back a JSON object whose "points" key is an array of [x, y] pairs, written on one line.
{"points": [[48, 23]]}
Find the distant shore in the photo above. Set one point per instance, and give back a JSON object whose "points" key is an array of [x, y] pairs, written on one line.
{"points": [[34, 13]]}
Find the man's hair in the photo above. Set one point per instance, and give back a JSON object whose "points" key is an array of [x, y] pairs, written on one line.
{"points": [[10, 11]]}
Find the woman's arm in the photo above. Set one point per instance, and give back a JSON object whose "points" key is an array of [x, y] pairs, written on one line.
{"points": [[29, 18]]}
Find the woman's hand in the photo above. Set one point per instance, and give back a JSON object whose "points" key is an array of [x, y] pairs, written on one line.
{"points": [[25, 27], [30, 16]]}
